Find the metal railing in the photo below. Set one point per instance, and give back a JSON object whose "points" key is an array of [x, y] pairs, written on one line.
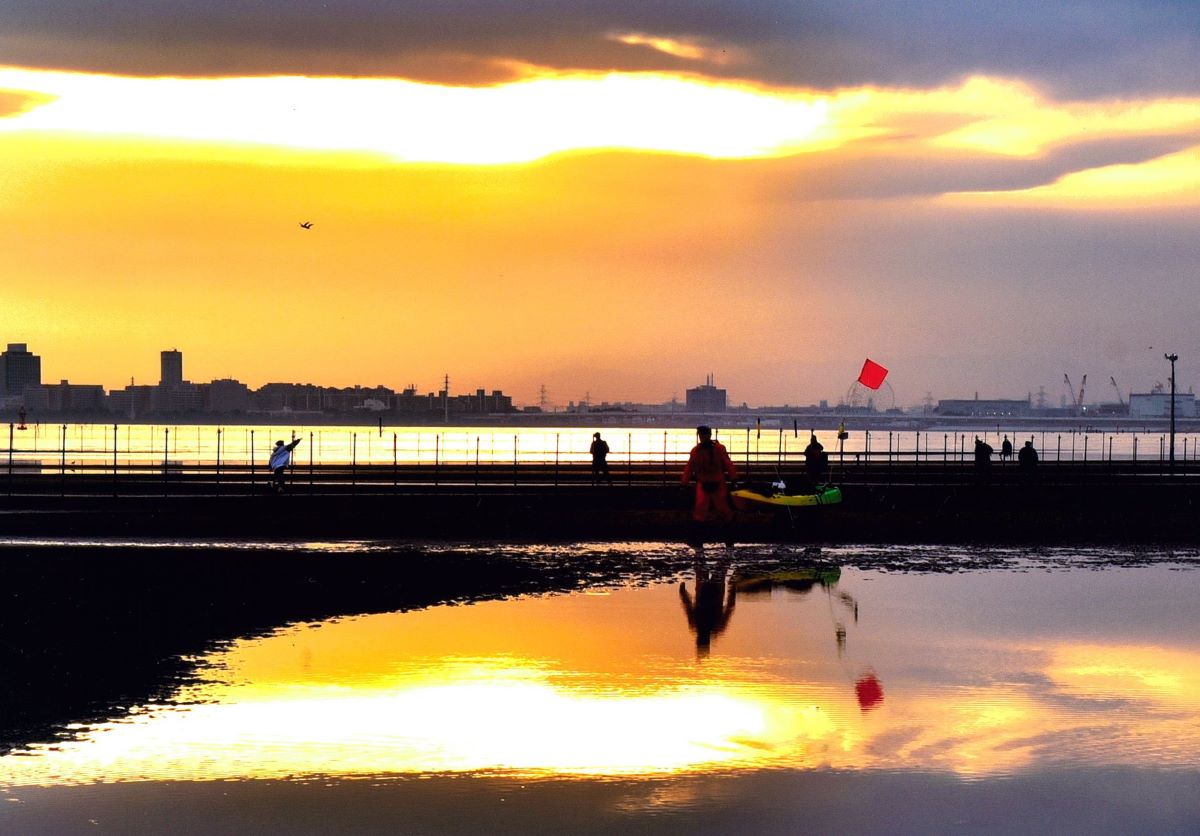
{"points": [[877, 458]]}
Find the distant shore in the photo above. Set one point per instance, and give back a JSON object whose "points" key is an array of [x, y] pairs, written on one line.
{"points": [[788, 420]]}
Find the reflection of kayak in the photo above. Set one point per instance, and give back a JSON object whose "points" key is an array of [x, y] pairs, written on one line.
{"points": [[749, 498], [797, 580]]}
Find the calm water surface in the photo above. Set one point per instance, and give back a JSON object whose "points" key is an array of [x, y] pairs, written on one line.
{"points": [[1059, 693]]}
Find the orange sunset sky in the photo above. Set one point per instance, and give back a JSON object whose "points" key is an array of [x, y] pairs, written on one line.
{"points": [[611, 199]]}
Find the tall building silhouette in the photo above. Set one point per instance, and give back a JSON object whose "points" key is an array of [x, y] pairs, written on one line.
{"points": [[171, 375], [706, 398], [18, 369]]}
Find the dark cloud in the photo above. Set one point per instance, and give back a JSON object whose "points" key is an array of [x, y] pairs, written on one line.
{"points": [[1103, 47]]}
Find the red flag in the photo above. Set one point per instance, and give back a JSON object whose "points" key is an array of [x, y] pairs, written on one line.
{"points": [[872, 374], [869, 691]]}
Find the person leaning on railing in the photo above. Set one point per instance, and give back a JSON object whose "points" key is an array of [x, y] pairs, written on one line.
{"points": [[281, 457]]}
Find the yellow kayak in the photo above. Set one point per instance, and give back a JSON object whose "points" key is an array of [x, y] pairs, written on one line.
{"points": [[749, 498]]}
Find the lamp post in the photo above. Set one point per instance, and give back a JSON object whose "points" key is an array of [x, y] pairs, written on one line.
{"points": [[1172, 358]]}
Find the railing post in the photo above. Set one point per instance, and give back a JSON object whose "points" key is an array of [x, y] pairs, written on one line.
{"points": [[395, 462], [218, 488], [629, 460], [556, 460], [437, 457], [476, 465], [664, 459], [114, 460], [353, 462], [514, 460], [252, 491], [10, 458], [747, 452], [166, 458]]}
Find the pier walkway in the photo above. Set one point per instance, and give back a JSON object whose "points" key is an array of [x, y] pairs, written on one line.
{"points": [[887, 499]]}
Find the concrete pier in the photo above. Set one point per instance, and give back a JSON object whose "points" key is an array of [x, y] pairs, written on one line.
{"points": [[1097, 502]]}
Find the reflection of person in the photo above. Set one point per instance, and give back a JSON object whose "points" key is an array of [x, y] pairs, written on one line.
{"points": [[1027, 459], [710, 466], [281, 457], [599, 451], [709, 612]]}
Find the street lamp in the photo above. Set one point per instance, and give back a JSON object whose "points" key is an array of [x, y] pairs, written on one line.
{"points": [[1172, 358]]}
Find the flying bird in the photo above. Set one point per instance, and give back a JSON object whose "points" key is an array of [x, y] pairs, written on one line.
{"points": [[306, 225]]}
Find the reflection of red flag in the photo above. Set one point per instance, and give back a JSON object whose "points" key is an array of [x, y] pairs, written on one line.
{"points": [[869, 691], [872, 374]]}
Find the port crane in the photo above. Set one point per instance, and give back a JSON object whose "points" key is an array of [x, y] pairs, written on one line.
{"points": [[1076, 400], [1117, 388]]}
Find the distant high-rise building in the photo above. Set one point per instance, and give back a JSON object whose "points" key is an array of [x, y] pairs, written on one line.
{"points": [[172, 369], [18, 369], [706, 398]]}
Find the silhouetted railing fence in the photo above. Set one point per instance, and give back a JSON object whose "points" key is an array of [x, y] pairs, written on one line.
{"points": [[75, 463]]}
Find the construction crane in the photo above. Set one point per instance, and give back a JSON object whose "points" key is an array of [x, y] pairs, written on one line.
{"points": [[1076, 400], [1117, 388]]}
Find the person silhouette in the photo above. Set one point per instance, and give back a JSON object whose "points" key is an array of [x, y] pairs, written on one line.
{"points": [[710, 466], [599, 451], [816, 461], [1006, 450], [1027, 459], [983, 459], [281, 457]]}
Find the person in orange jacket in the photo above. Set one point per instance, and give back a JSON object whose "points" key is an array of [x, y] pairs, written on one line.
{"points": [[711, 468]]}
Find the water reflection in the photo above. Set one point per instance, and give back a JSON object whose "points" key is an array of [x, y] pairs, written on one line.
{"points": [[611, 684], [710, 606]]}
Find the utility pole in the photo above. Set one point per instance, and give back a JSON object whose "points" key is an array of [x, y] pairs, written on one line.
{"points": [[1172, 358]]}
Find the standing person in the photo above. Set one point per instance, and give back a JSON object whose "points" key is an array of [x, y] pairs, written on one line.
{"points": [[983, 459], [816, 460], [1006, 450], [599, 451], [1027, 459], [281, 457], [710, 466]]}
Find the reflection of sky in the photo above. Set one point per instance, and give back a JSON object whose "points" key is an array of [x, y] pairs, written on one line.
{"points": [[983, 674]]}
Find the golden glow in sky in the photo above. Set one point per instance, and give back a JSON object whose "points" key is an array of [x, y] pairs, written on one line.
{"points": [[1172, 180], [677, 48], [539, 201], [421, 123], [547, 114]]}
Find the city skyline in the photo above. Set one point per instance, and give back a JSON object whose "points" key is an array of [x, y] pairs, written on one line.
{"points": [[172, 372], [605, 198]]}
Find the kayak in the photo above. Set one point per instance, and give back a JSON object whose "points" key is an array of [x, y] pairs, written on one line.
{"points": [[751, 498]]}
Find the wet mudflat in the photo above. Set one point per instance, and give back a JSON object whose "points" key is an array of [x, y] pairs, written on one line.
{"points": [[635, 687]]}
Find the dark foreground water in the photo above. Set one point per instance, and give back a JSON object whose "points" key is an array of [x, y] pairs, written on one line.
{"points": [[874, 690]]}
